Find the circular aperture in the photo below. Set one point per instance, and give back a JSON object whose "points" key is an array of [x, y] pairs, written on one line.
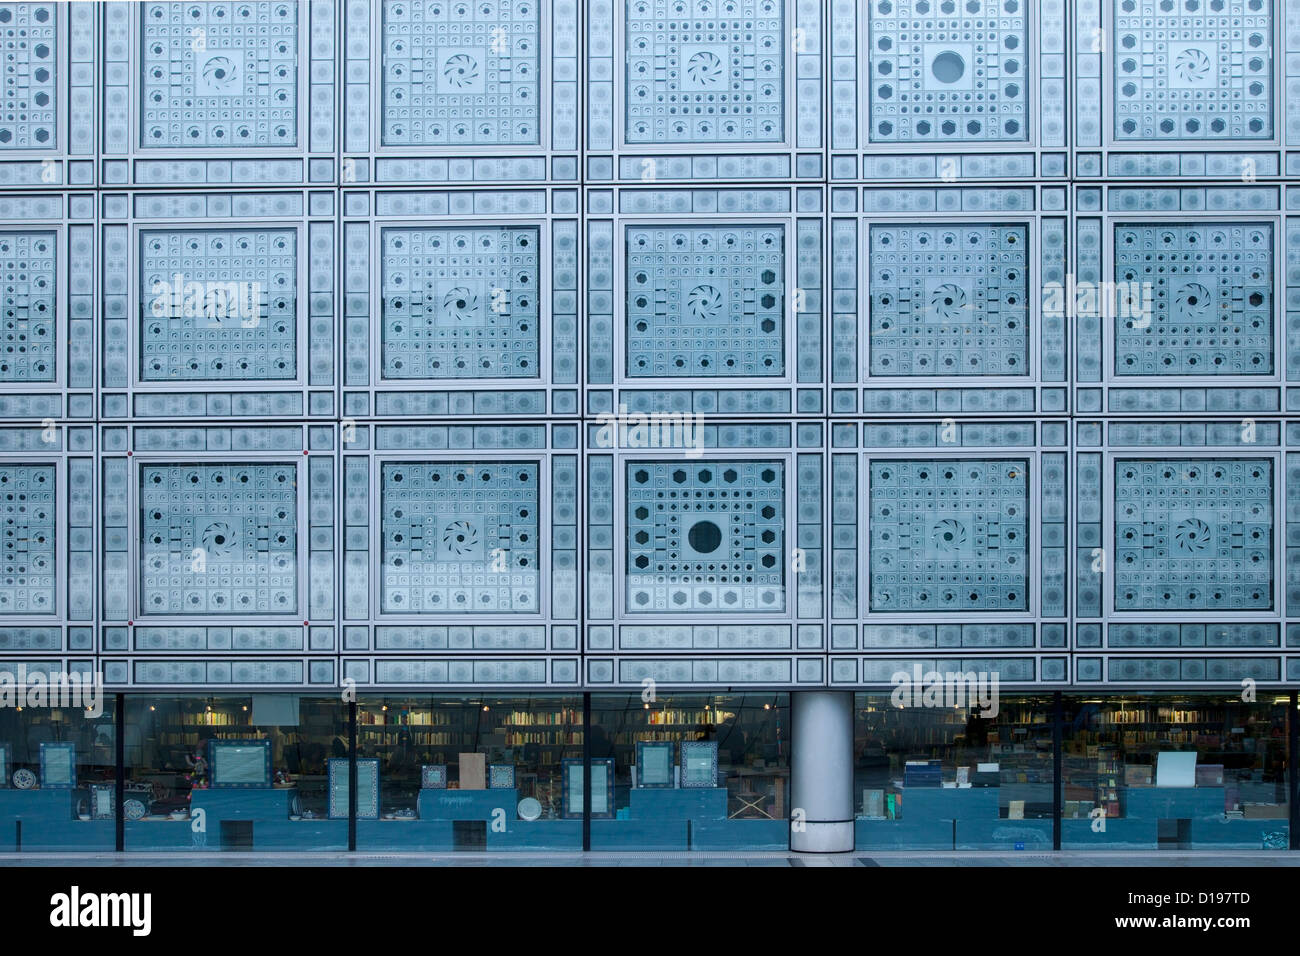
{"points": [[948, 67], [704, 536]]}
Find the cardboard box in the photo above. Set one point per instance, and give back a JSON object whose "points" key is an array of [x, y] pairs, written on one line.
{"points": [[473, 771], [1137, 776]]}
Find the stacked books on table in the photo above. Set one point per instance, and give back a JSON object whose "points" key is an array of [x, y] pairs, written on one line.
{"points": [[923, 773]]}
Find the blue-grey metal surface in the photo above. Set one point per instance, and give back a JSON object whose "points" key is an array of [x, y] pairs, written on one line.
{"points": [[727, 343]]}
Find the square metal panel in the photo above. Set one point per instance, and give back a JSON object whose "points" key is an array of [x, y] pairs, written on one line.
{"points": [[950, 535], [705, 301], [1208, 297], [461, 302], [219, 75], [1193, 534], [705, 537], [949, 300], [219, 538], [957, 77], [27, 297], [218, 304], [27, 539], [29, 95], [460, 537], [1193, 69], [711, 71], [461, 73]]}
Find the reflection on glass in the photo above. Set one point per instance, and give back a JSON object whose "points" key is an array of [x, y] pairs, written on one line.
{"points": [[952, 778], [694, 771], [238, 772], [470, 772], [53, 759], [1191, 771]]}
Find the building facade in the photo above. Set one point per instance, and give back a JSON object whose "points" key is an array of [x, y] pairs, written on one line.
{"points": [[650, 424]]}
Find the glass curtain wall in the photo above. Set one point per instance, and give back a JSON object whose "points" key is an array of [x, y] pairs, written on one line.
{"points": [[469, 773], [240, 772], [58, 769], [1177, 772], [681, 772], [958, 777], [690, 772]]}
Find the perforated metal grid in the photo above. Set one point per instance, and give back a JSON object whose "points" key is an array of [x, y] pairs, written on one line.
{"points": [[460, 537], [461, 73], [949, 300], [711, 71], [219, 538], [1207, 294], [28, 97], [461, 302], [219, 75], [949, 535], [956, 77], [27, 539], [1193, 534], [218, 304], [27, 295], [706, 301], [705, 536], [1193, 69], [580, 124]]}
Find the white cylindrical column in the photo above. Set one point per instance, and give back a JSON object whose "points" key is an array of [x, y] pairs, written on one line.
{"points": [[821, 771]]}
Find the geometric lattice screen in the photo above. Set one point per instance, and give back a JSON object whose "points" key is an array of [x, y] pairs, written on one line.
{"points": [[437, 344], [1193, 534], [950, 535]]}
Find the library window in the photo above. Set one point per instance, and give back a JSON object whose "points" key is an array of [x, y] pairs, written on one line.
{"points": [[57, 773], [1175, 772], [690, 772], [470, 773], [240, 772], [953, 777]]}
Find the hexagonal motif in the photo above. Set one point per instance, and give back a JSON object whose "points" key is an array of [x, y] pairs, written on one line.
{"points": [[1193, 69], [705, 536], [948, 71]]}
